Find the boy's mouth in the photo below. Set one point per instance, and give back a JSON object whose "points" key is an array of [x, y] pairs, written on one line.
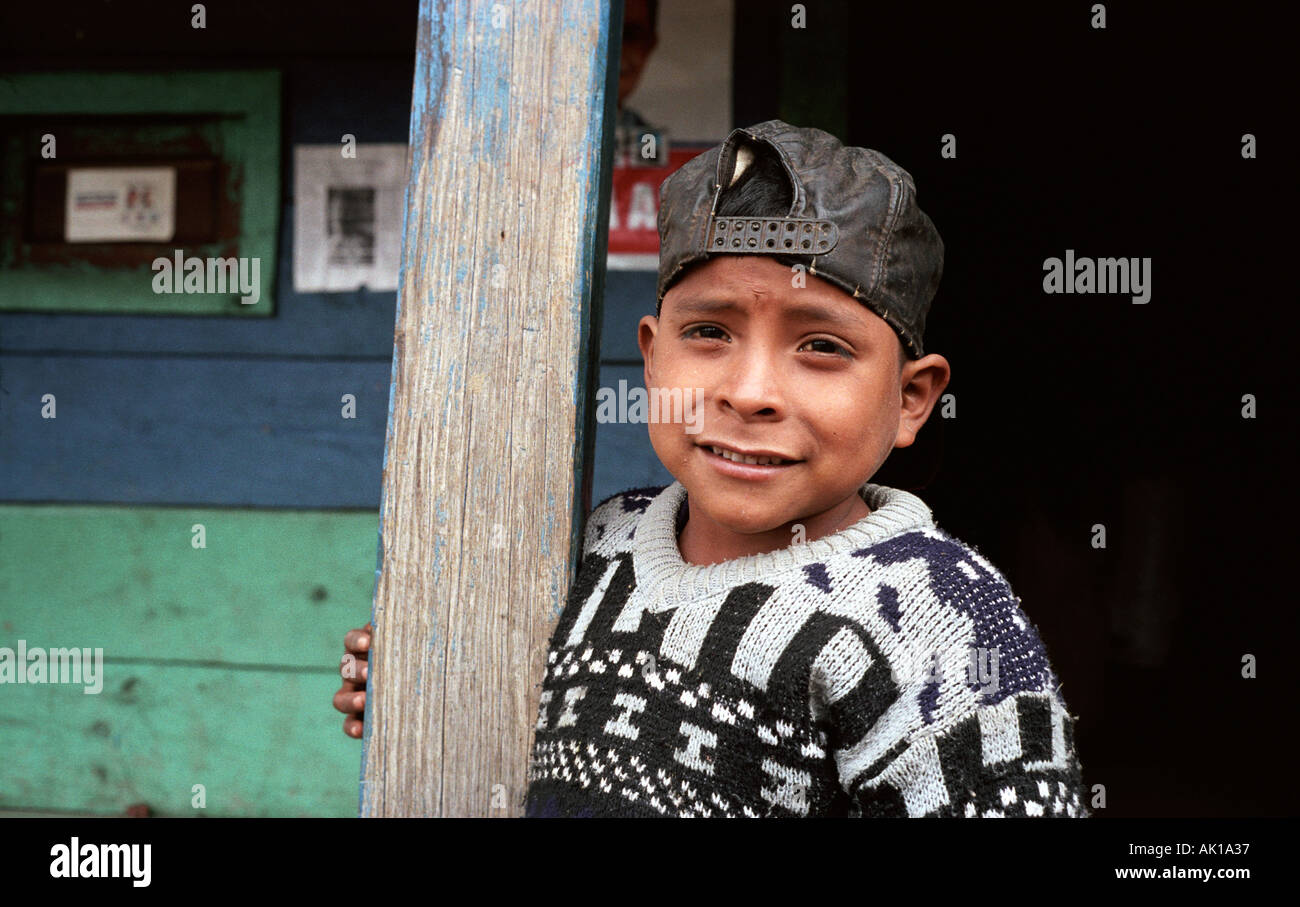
{"points": [[742, 457]]}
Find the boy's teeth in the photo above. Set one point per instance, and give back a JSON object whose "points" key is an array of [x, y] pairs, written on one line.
{"points": [[739, 458]]}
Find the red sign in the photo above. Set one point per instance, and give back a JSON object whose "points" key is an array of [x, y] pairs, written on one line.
{"points": [[634, 209]]}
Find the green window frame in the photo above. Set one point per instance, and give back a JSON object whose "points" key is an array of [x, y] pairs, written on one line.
{"points": [[241, 110]]}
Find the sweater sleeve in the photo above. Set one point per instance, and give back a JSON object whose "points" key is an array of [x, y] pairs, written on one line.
{"points": [[962, 740], [1012, 759]]}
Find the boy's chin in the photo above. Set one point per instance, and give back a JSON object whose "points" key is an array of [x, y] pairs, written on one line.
{"points": [[739, 515]]}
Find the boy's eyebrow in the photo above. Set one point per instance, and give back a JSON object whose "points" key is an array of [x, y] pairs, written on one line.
{"points": [[705, 306], [802, 311], [812, 311]]}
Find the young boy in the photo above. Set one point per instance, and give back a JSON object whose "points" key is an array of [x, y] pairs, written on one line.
{"points": [[772, 635]]}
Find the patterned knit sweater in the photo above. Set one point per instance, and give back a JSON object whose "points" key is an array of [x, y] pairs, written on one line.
{"points": [[885, 670]]}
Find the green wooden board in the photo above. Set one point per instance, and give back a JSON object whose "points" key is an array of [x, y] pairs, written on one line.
{"points": [[271, 587], [219, 663], [262, 743]]}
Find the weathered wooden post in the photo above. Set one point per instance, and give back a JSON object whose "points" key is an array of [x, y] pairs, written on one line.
{"points": [[495, 355]]}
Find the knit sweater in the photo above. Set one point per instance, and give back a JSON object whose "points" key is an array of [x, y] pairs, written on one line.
{"points": [[884, 670]]}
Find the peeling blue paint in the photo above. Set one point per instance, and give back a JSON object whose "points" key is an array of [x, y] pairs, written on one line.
{"points": [[549, 522], [436, 566]]}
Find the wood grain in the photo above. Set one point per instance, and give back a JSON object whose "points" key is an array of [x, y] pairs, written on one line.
{"points": [[489, 422]]}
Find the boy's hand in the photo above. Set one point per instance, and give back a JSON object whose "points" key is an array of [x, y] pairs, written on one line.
{"points": [[351, 698]]}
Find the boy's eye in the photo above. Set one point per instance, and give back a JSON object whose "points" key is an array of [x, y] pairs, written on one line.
{"points": [[707, 332], [822, 345]]}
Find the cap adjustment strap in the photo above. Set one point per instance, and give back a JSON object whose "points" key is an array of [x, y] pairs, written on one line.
{"points": [[771, 235]]}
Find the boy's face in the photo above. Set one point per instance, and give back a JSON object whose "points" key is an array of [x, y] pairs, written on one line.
{"points": [[807, 374]]}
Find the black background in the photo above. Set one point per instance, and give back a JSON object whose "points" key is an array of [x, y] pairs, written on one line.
{"points": [[1074, 410]]}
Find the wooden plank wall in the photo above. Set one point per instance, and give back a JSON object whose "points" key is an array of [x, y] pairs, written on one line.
{"points": [[165, 422], [497, 322], [219, 662]]}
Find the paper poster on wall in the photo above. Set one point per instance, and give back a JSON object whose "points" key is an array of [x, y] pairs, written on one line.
{"points": [[348, 217], [120, 204]]}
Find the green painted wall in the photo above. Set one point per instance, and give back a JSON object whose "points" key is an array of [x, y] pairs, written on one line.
{"points": [[219, 663]]}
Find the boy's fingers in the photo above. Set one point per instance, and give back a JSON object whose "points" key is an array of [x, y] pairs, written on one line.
{"points": [[353, 669], [357, 641], [350, 702], [351, 698]]}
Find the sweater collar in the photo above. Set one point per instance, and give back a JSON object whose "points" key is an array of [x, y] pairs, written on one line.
{"points": [[671, 581]]}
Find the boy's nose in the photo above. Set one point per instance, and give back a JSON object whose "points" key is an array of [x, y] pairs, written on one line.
{"points": [[752, 387]]}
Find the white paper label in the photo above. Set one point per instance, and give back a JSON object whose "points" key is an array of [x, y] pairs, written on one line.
{"points": [[120, 204]]}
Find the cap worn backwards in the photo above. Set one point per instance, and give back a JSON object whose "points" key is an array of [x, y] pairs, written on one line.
{"points": [[854, 221]]}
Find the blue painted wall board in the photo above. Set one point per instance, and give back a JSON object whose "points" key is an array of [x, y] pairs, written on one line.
{"points": [[227, 432], [630, 295], [165, 430], [624, 457]]}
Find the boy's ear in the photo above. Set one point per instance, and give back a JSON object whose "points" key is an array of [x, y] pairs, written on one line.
{"points": [[646, 330], [922, 382]]}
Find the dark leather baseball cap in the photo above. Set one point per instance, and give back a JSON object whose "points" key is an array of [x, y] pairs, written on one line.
{"points": [[854, 221]]}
